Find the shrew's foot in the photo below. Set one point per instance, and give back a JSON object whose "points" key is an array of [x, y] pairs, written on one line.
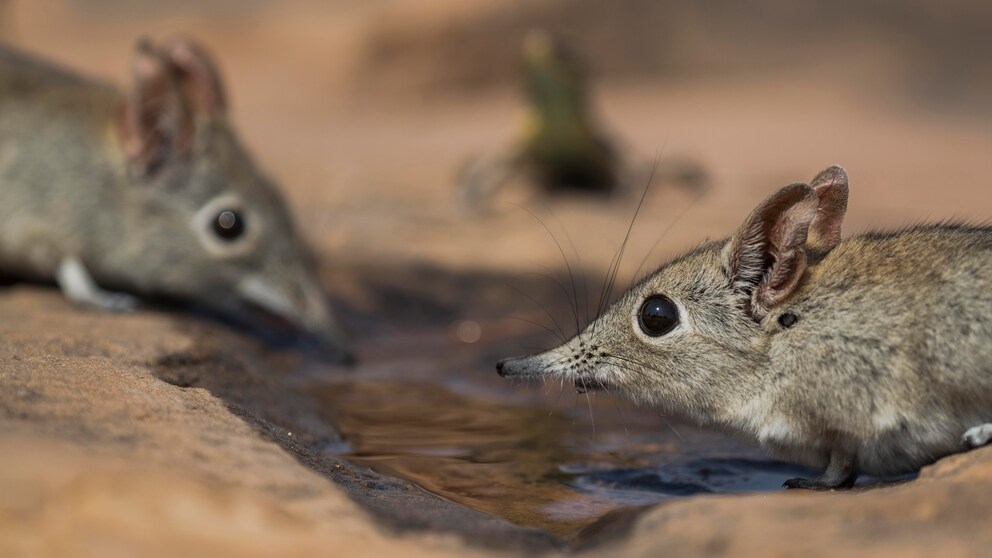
{"points": [[840, 473], [977, 436], [820, 484]]}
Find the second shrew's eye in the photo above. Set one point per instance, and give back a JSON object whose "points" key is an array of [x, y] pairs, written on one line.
{"points": [[658, 316], [229, 224]]}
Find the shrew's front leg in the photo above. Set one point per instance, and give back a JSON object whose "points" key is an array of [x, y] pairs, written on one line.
{"points": [[840, 473], [977, 436], [78, 286]]}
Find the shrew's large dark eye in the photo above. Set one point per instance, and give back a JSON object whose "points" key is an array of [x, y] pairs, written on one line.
{"points": [[658, 316], [229, 224]]}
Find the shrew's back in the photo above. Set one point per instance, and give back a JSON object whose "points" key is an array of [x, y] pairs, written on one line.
{"points": [[895, 338], [58, 132]]}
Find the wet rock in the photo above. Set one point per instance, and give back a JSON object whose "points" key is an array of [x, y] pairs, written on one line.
{"points": [[97, 452], [943, 513]]}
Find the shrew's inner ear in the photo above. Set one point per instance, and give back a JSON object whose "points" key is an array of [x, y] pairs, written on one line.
{"points": [[173, 87], [197, 75], [765, 257], [156, 124], [831, 188]]}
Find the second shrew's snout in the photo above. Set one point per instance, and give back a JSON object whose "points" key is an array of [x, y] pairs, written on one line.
{"points": [[500, 365]]}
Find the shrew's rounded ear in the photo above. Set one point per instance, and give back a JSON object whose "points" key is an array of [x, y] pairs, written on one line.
{"points": [[171, 88], [765, 257], [156, 125], [831, 188], [197, 75]]}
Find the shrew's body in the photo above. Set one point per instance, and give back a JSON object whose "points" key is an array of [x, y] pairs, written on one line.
{"points": [[872, 355]]}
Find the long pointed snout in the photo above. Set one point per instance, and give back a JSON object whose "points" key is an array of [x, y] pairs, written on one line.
{"points": [[532, 366], [319, 320], [572, 362], [305, 307], [501, 367]]}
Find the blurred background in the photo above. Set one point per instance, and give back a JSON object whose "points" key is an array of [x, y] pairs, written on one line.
{"points": [[367, 112]]}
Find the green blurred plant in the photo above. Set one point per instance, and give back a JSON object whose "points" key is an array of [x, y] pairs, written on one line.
{"points": [[559, 142]]}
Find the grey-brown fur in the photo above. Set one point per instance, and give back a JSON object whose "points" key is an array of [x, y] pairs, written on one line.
{"points": [[103, 190], [888, 367]]}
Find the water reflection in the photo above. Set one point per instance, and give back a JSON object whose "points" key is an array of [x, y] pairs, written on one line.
{"points": [[426, 405], [539, 463]]}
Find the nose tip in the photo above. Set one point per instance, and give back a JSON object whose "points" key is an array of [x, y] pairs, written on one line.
{"points": [[499, 366]]}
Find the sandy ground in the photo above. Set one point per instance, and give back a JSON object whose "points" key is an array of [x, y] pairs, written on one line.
{"points": [[93, 440]]}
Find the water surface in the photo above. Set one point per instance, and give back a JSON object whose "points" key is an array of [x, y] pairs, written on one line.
{"points": [[427, 406]]}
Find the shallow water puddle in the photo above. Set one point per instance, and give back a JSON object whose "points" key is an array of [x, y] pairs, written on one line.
{"points": [[426, 405], [542, 458]]}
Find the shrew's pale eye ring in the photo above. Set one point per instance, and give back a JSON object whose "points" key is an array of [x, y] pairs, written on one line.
{"points": [[229, 224], [227, 227], [658, 316]]}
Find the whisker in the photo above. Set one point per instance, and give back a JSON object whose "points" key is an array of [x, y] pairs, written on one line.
{"points": [[630, 227], [578, 263], [636, 363], [669, 423], [538, 324], [534, 300], [614, 268], [512, 388], [618, 409], [592, 416], [568, 267], [668, 228], [603, 297], [561, 392], [560, 286]]}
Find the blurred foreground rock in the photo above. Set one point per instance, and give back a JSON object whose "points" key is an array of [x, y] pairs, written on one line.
{"points": [[100, 457], [943, 513]]}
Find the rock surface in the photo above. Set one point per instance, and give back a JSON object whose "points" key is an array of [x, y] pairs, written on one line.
{"points": [[943, 513], [99, 454]]}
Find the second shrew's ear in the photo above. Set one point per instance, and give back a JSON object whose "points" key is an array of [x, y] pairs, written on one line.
{"points": [[831, 188], [197, 75], [765, 258], [156, 123], [173, 88]]}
